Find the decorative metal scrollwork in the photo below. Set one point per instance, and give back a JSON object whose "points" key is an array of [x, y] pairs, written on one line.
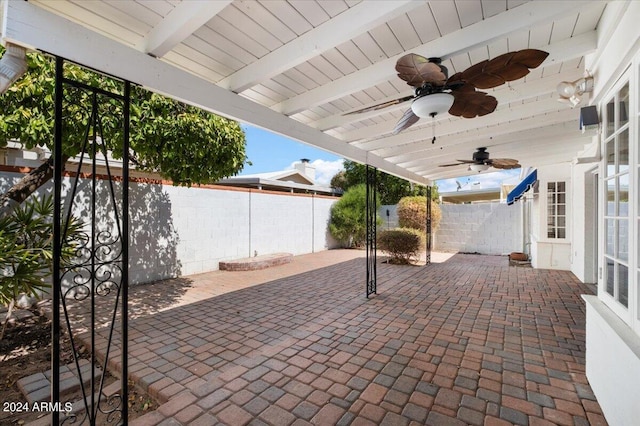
{"points": [[90, 272], [371, 218]]}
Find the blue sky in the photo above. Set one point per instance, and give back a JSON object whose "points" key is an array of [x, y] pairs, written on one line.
{"points": [[269, 152]]}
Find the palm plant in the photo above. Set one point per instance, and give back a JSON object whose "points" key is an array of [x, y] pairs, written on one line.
{"points": [[26, 251]]}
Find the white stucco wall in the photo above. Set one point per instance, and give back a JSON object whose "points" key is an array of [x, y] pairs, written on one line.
{"points": [[182, 231], [613, 342], [549, 253], [613, 364], [486, 228], [584, 262]]}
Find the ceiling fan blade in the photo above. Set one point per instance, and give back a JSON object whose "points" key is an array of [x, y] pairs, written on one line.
{"points": [[472, 104], [407, 120], [459, 163], [507, 67], [417, 70], [504, 163], [382, 105]]}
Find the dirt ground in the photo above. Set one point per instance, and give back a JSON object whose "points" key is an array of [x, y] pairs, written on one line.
{"points": [[26, 350]]}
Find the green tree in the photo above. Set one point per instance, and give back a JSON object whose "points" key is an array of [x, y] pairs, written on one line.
{"points": [[390, 188], [348, 218], [182, 143]]}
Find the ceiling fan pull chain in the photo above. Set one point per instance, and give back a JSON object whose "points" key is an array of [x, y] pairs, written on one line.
{"points": [[433, 127]]}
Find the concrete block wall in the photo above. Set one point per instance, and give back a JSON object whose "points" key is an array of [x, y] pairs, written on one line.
{"points": [[486, 228], [181, 231]]}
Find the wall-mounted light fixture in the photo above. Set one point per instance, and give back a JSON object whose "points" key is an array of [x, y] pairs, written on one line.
{"points": [[571, 91], [13, 65]]}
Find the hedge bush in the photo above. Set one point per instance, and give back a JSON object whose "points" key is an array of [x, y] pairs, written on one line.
{"points": [[348, 220], [412, 213], [402, 245]]}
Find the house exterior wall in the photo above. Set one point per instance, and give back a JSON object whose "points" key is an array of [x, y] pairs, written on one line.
{"points": [[485, 228], [181, 231], [550, 253], [583, 222], [613, 329]]}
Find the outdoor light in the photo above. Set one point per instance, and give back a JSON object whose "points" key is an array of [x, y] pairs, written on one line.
{"points": [[479, 167], [571, 91], [12, 66], [432, 105]]}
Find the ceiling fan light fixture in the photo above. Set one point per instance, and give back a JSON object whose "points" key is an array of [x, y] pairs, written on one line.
{"points": [[479, 167], [431, 105]]}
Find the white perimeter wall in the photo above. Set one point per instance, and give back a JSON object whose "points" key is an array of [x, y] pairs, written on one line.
{"points": [[182, 231], [485, 228]]}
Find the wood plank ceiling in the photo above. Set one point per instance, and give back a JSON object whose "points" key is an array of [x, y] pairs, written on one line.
{"points": [[315, 60]]}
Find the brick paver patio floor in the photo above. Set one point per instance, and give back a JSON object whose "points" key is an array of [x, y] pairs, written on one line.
{"points": [[466, 341]]}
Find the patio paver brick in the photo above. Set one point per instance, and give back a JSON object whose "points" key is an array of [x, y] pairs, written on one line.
{"points": [[466, 341]]}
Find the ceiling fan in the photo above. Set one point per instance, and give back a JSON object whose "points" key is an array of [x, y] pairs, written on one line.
{"points": [[481, 161], [436, 93]]}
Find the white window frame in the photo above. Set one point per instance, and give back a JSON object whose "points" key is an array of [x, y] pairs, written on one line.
{"points": [[628, 314], [565, 216]]}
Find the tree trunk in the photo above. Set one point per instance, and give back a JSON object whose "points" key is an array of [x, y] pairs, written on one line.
{"points": [[27, 185]]}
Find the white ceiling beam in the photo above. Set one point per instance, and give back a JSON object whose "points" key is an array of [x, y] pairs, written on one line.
{"points": [[514, 145], [459, 126], [354, 21], [449, 45], [179, 24], [546, 154], [505, 95], [527, 117], [32, 26], [418, 150]]}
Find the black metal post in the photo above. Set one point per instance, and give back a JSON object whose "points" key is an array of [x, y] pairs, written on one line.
{"points": [[96, 274], [427, 233], [56, 290], [371, 216], [125, 254]]}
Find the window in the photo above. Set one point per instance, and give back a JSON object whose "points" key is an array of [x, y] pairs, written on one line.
{"points": [[617, 234], [556, 210]]}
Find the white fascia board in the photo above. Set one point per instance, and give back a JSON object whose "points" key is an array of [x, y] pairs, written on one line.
{"points": [[179, 24], [33, 26], [347, 25], [466, 39]]}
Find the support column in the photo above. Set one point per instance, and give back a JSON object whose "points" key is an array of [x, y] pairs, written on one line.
{"points": [[371, 216], [427, 229]]}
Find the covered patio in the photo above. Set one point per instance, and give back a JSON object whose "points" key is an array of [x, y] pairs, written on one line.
{"points": [[466, 340]]}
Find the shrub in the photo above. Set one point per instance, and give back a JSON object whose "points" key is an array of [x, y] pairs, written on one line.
{"points": [[347, 222], [412, 213], [26, 251], [402, 244]]}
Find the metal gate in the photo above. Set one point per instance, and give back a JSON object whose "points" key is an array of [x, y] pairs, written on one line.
{"points": [[90, 270], [371, 218]]}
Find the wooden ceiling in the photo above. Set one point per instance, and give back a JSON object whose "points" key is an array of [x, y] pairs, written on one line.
{"points": [[297, 67]]}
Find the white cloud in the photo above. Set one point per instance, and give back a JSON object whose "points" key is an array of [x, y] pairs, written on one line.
{"points": [[477, 181], [325, 170]]}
